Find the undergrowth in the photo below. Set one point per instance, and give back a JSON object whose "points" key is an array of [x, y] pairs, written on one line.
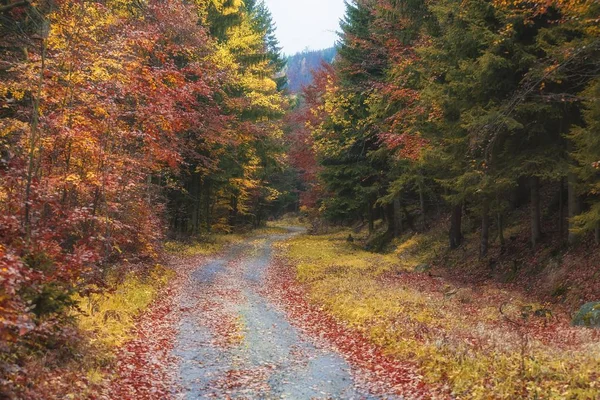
{"points": [[107, 318], [481, 342], [292, 219], [77, 362], [110, 316]]}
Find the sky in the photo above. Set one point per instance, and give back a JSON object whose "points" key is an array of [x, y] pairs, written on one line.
{"points": [[305, 24]]}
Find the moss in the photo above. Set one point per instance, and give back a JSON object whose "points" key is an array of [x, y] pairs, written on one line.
{"points": [[588, 315]]}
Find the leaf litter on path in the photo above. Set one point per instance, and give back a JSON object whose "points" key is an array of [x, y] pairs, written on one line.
{"points": [[239, 326]]}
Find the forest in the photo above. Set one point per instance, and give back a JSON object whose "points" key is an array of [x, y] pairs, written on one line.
{"points": [[445, 154], [476, 107], [120, 121]]}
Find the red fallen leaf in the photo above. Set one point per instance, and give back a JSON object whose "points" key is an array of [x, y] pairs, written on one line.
{"points": [[145, 364], [373, 370]]}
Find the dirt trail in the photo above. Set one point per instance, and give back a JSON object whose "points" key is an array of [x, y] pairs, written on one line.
{"points": [[233, 342]]}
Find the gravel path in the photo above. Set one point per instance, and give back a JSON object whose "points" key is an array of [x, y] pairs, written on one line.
{"points": [[234, 343]]}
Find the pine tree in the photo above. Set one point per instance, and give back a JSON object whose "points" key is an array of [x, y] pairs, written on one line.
{"points": [[395, 107], [467, 79]]}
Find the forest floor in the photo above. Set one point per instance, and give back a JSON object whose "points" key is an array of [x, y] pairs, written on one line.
{"points": [[234, 341], [237, 325], [288, 315], [477, 339]]}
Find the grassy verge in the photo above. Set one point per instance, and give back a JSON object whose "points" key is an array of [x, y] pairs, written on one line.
{"points": [[108, 318], [460, 336], [79, 362], [209, 245], [289, 220]]}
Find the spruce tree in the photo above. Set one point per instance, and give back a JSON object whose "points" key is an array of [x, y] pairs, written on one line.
{"points": [[586, 139], [356, 176]]}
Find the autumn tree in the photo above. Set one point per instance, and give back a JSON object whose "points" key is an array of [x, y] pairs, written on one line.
{"points": [[109, 109], [227, 184]]}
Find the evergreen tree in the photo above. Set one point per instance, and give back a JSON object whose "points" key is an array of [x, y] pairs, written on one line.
{"points": [[586, 139], [232, 187], [466, 101], [263, 22], [353, 167], [395, 109]]}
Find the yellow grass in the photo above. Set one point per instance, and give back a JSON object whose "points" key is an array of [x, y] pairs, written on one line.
{"points": [[110, 316], [474, 352], [213, 244]]}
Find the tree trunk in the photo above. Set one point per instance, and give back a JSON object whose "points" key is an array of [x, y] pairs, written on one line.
{"points": [[485, 228], [233, 216], [390, 219], [597, 233], [207, 204], [397, 217], [574, 207], [536, 215], [422, 205], [456, 227], [501, 232], [561, 209], [196, 206], [385, 212], [409, 219], [371, 218], [35, 134]]}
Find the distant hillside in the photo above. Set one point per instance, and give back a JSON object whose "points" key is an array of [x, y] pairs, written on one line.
{"points": [[300, 65]]}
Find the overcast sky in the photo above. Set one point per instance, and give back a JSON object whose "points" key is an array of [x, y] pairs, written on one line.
{"points": [[306, 23]]}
